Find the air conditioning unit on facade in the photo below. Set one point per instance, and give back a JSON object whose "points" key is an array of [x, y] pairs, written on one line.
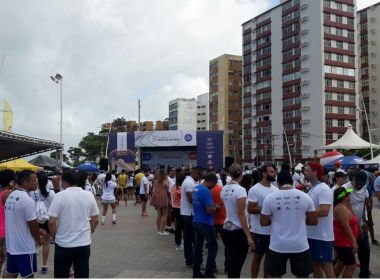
{"points": [[374, 113], [374, 89], [373, 66], [305, 108], [374, 101], [305, 83], [374, 78], [373, 31], [305, 95], [374, 125], [305, 70], [304, 32], [305, 122], [373, 43], [304, 6], [304, 57], [304, 19], [304, 44], [373, 54], [372, 19]]}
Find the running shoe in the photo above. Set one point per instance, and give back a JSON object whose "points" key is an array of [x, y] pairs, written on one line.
{"points": [[114, 222], [44, 269]]}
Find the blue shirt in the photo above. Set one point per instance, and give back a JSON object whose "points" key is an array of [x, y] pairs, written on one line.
{"points": [[201, 200], [376, 184]]}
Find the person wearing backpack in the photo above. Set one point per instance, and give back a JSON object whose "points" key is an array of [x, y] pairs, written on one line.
{"points": [[44, 197]]}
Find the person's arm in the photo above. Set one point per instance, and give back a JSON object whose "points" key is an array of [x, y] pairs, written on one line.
{"points": [[266, 213], [35, 231], [265, 220], [94, 222], [243, 219], [341, 215], [253, 208], [311, 218], [5, 196], [52, 226], [323, 210]]}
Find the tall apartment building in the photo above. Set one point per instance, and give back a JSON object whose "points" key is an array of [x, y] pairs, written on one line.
{"points": [[299, 77], [183, 114], [225, 102], [162, 125], [369, 51], [203, 112]]}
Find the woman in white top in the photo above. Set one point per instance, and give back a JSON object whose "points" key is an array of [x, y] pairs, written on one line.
{"points": [[238, 237], [46, 196], [108, 197]]}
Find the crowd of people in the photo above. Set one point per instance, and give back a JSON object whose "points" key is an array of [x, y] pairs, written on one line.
{"points": [[320, 221]]}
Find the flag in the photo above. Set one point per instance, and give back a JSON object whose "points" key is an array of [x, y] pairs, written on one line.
{"points": [[7, 116]]}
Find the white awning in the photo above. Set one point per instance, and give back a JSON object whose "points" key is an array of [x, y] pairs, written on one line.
{"points": [[350, 140]]}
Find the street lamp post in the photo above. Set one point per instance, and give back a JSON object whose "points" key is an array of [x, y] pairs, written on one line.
{"points": [[369, 129], [58, 80]]}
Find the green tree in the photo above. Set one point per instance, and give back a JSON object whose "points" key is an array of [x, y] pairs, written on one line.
{"points": [[119, 125], [75, 155], [93, 146]]}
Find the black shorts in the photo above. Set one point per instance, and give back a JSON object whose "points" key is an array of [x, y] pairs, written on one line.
{"points": [[137, 191], [125, 191], [143, 197], [345, 255], [261, 243], [44, 226], [129, 188], [300, 264]]}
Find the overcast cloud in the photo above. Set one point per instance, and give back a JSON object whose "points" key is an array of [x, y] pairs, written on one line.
{"points": [[110, 53]]}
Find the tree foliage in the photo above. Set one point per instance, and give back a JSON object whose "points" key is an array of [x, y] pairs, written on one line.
{"points": [[119, 124], [93, 146], [53, 155], [76, 154]]}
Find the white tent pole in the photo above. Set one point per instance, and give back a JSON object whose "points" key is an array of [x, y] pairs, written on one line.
{"points": [[369, 129]]}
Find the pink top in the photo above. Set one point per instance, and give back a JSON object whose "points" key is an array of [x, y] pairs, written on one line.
{"points": [[2, 215]]}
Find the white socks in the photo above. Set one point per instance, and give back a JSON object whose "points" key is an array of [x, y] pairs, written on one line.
{"points": [[113, 217], [103, 219]]}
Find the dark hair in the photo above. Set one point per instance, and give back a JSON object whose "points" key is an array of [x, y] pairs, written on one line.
{"points": [[284, 178], [161, 175], [197, 169], [82, 178], [23, 177], [285, 166], [246, 182], [211, 177], [360, 178], [179, 178], [70, 177], [6, 177], [42, 182], [107, 178], [264, 169], [256, 177]]}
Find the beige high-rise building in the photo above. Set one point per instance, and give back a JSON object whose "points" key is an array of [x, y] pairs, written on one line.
{"points": [[225, 74]]}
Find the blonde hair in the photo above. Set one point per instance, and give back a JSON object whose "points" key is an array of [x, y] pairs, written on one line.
{"points": [[161, 175], [235, 170]]}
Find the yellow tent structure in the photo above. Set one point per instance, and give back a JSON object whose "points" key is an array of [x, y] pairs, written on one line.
{"points": [[18, 165]]}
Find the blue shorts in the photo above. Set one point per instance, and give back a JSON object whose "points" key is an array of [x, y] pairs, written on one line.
{"points": [[321, 251], [25, 265]]}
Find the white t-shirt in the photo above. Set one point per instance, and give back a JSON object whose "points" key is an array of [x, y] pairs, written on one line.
{"points": [[321, 194], [357, 201], [108, 190], [113, 178], [49, 185], [288, 209], [37, 196], [257, 195], [130, 181], [298, 178], [19, 210], [171, 186], [144, 181], [73, 209], [187, 186], [90, 188], [230, 194]]}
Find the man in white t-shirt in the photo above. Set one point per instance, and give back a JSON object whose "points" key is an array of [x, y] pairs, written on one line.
{"points": [[256, 196], [73, 217], [321, 237], [144, 192], [360, 198], [187, 212], [288, 211], [22, 230], [171, 180]]}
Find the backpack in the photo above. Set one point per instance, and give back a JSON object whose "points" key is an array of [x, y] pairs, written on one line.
{"points": [[41, 211]]}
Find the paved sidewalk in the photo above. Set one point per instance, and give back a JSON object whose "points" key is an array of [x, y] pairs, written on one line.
{"points": [[132, 249]]}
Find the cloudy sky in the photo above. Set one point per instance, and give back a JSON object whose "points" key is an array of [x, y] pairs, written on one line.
{"points": [[110, 53]]}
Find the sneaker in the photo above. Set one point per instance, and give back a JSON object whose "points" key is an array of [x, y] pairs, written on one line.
{"points": [[158, 232], [179, 248], [114, 222], [102, 223], [44, 269], [163, 233], [188, 265], [375, 242]]}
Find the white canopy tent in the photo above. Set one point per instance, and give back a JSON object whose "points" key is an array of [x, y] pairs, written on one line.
{"points": [[350, 141], [375, 160]]}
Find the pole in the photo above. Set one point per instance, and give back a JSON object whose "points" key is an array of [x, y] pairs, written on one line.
{"points": [[139, 129], [369, 129], [61, 128], [287, 144]]}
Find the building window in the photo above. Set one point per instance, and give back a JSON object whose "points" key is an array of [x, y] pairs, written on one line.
{"points": [[340, 97], [340, 110], [329, 109], [329, 122], [341, 123], [329, 136]]}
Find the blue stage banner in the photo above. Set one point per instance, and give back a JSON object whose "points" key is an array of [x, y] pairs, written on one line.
{"points": [[121, 151], [210, 149]]}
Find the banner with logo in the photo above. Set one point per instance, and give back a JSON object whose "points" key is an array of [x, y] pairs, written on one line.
{"points": [[210, 149], [121, 151], [167, 138], [173, 158]]}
